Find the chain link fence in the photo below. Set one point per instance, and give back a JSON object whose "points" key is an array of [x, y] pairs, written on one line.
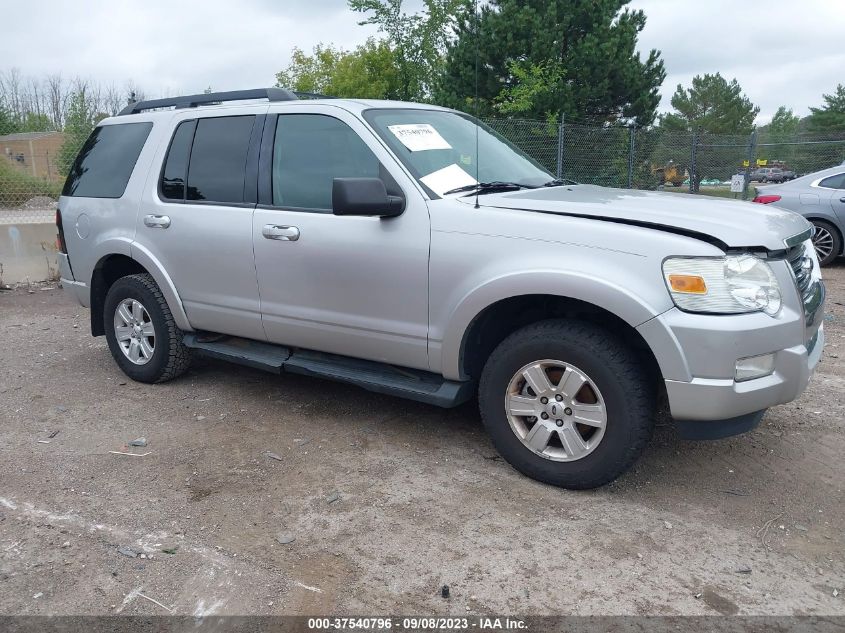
{"points": [[652, 158], [612, 156], [30, 184]]}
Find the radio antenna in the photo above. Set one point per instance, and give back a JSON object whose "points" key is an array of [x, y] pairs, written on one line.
{"points": [[477, 174]]}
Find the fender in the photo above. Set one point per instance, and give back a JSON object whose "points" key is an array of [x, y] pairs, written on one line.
{"points": [[165, 283], [602, 293]]}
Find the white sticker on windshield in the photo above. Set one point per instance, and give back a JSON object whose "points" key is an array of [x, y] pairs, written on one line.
{"points": [[419, 136], [446, 179]]}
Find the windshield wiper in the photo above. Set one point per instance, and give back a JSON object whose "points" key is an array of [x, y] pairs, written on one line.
{"points": [[559, 182], [489, 187]]}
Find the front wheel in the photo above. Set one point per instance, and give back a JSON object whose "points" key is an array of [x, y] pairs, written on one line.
{"points": [[827, 242], [142, 335], [567, 403]]}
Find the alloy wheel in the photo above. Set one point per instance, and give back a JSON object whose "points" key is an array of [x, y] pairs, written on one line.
{"points": [[823, 242], [134, 331], [556, 410]]}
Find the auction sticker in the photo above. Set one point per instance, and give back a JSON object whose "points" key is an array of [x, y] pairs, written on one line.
{"points": [[419, 136], [448, 178]]}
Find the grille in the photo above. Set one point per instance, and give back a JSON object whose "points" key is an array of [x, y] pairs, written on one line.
{"points": [[809, 285], [803, 275]]}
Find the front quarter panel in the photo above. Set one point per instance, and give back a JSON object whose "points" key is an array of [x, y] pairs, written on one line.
{"points": [[482, 256]]}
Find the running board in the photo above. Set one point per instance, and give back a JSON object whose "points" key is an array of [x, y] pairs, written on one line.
{"points": [[242, 351], [412, 384]]}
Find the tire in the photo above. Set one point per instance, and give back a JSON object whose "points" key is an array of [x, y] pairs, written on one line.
{"points": [[828, 242], [610, 366], [164, 356]]}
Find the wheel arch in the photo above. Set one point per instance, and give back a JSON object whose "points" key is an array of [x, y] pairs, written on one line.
{"points": [[833, 224], [109, 268], [492, 324]]}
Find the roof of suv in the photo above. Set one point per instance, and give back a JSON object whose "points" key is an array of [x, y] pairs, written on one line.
{"points": [[261, 96]]}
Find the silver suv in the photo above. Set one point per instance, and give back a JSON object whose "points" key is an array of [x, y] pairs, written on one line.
{"points": [[410, 250]]}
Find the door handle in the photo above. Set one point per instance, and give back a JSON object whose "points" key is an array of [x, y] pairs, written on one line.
{"points": [[842, 199], [157, 221], [276, 232]]}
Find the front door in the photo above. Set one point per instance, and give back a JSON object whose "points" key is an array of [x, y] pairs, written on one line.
{"points": [[356, 286]]}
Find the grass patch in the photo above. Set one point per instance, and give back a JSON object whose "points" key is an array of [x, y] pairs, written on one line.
{"points": [[16, 187]]}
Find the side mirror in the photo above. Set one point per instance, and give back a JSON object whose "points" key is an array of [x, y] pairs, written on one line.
{"points": [[364, 196]]}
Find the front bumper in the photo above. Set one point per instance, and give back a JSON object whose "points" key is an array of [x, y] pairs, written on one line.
{"points": [[698, 353], [723, 398]]}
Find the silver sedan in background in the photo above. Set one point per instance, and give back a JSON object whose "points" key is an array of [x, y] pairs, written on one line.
{"points": [[819, 197]]}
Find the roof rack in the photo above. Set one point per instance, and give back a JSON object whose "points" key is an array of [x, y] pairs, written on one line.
{"points": [[192, 101], [312, 95]]}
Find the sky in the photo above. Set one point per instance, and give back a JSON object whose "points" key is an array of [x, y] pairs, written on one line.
{"points": [[782, 52]]}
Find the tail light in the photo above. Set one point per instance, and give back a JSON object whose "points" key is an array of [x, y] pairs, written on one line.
{"points": [[60, 237], [766, 199]]}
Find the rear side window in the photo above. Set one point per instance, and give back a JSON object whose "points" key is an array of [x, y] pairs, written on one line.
{"points": [[175, 170], [217, 167], [104, 165], [833, 182]]}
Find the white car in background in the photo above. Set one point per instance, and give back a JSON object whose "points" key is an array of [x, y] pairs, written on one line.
{"points": [[819, 197]]}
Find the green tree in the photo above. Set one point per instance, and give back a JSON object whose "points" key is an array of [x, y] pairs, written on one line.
{"points": [[831, 116], [367, 72], [311, 73], [711, 104], [533, 83], [417, 40], [784, 123], [81, 118], [35, 122], [552, 57], [8, 124], [772, 139]]}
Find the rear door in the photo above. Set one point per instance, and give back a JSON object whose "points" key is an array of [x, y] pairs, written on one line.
{"points": [[837, 195], [197, 219]]}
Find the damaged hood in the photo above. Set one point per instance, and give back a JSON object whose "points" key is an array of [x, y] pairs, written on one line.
{"points": [[735, 224]]}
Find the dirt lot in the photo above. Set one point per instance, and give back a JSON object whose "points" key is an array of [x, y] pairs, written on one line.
{"points": [[387, 500]]}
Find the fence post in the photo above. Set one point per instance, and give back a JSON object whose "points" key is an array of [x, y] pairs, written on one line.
{"points": [[631, 146], [752, 144], [560, 148], [693, 157]]}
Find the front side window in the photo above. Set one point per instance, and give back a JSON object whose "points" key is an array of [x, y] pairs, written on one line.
{"points": [[309, 152], [217, 167], [105, 163], [833, 182], [444, 149]]}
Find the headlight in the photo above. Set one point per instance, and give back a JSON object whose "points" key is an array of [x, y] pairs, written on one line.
{"points": [[722, 285]]}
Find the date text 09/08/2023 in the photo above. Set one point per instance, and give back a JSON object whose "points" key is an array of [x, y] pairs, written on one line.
{"points": [[416, 623]]}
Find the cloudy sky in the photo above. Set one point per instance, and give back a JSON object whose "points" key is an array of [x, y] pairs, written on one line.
{"points": [[783, 52]]}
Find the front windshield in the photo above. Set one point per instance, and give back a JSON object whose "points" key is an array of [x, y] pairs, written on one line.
{"points": [[438, 148]]}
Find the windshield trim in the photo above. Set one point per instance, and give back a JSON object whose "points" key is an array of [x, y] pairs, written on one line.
{"points": [[367, 113]]}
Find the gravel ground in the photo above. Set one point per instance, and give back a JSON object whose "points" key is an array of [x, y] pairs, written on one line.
{"points": [[257, 494]]}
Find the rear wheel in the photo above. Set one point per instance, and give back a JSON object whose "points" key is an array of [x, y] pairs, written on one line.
{"points": [[142, 335], [827, 241], [567, 403]]}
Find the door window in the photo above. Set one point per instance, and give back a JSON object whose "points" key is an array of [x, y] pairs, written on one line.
{"points": [[309, 152], [217, 167], [834, 182], [175, 170]]}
